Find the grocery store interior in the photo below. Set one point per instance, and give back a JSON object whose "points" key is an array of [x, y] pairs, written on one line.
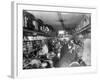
{"points": [[54, 39]]}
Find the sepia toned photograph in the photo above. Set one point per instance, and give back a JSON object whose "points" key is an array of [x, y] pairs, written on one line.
{"points": [[54, 39]]}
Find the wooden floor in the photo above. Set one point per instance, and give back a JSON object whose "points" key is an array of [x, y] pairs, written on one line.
{"points": [[66, 57]]}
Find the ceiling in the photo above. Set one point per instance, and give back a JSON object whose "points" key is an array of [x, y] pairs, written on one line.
{"points": [[71, 20]]}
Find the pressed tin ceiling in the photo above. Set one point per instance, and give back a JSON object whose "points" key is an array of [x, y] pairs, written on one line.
{"points": [[70, 20]]}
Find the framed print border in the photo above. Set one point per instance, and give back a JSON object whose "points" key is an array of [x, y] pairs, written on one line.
{"points": [[16, 61]]}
